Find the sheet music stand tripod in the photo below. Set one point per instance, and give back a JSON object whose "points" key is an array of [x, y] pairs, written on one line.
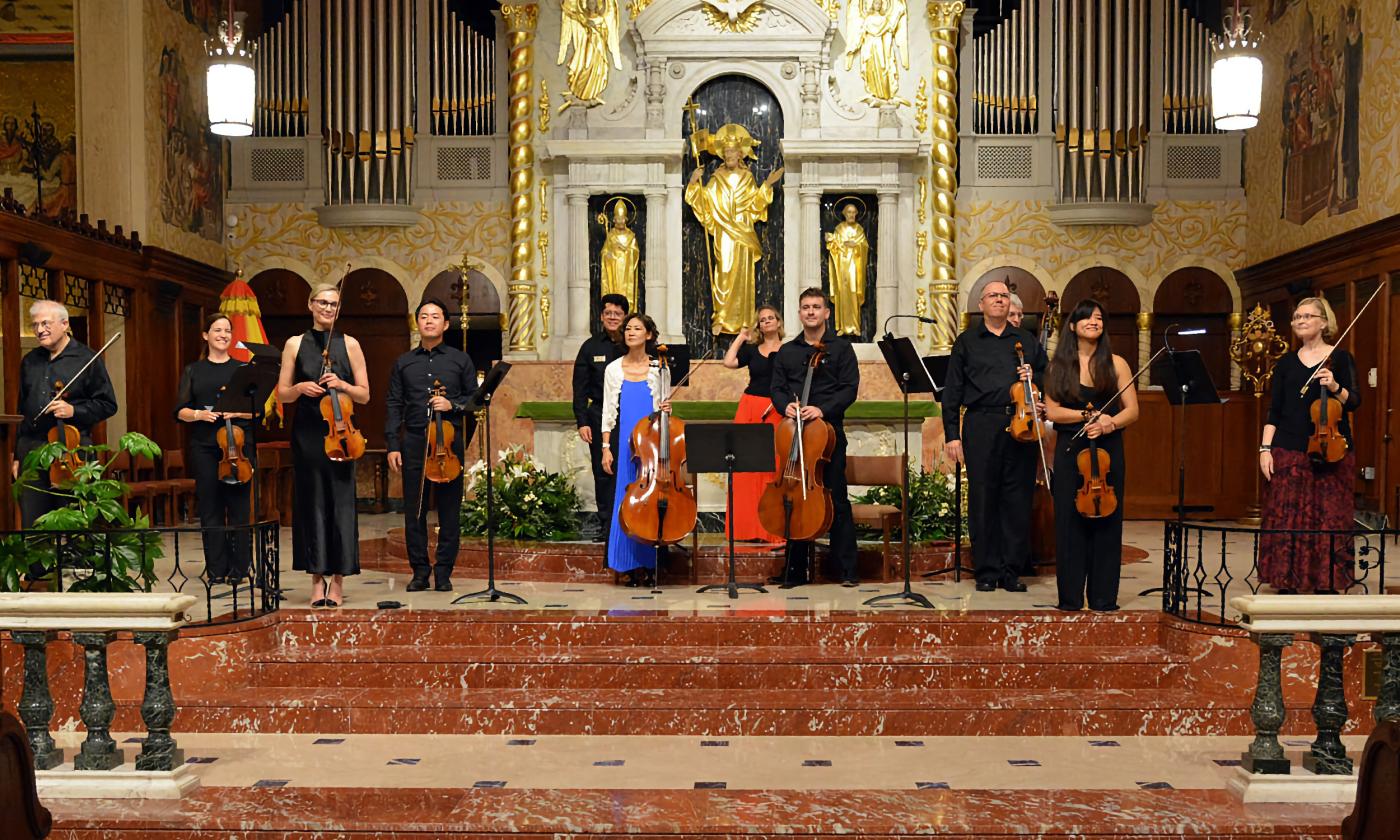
{"points": [[729, 448], [913, 378], [482, 400]]}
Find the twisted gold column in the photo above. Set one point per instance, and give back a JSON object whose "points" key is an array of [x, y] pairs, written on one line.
{"points": [[520, 28], [944, 20]]}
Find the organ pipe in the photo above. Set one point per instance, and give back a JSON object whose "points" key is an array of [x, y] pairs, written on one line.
{"points": [[1006, 68], [463, 78], [281, 76], [1186, 72]]}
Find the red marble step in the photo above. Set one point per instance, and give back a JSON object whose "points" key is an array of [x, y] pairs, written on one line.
{"points": [[734, 667]]}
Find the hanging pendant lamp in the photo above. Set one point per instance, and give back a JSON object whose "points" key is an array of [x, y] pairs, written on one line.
{"points": [[1237, 75], [230, 81]]}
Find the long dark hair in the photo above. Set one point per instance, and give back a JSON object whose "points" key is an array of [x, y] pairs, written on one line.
{"points": [[650, 328], [1062, 376]]}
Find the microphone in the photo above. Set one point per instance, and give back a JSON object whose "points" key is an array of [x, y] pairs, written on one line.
{"points": [[921, 318]]}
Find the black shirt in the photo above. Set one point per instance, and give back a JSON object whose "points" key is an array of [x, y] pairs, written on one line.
{"points": [[1289, 412], [411, 381], [592, 360], [200, 385], [92, 397], [982, 370], [760, 369], [834, 384]]}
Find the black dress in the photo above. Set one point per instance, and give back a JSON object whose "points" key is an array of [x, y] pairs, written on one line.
{"points": [[226, 553], [1086, 549], [325, 527]]}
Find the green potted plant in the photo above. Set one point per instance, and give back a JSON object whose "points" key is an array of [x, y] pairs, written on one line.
{"points": [[531, 503], [933, 516], [97, 530]]}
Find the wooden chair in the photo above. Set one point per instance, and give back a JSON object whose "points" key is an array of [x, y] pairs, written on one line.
{"points": [[178, 486], [878, 471], [150, 491], [21, 815], [1377, 809]]}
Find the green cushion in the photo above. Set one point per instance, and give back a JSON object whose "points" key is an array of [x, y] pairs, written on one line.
{"points": [[865, 410]]}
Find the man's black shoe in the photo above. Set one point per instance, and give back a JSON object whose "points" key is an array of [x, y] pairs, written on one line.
{"points": [[850, 582], [446, 586], [1013, 585], [417, 585], [986, 586]]}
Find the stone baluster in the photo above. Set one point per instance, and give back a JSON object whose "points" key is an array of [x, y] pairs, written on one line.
{"points": [[99, 751], [36, 702], [1388, 702], [158, 705], [1265, 754], [1328, 756]]}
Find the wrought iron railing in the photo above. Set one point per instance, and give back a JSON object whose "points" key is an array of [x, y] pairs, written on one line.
{"points": [[109, 561], [1204, 566]]}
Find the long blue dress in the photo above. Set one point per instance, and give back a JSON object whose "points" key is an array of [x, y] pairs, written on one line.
{"points": [[625, 553]]}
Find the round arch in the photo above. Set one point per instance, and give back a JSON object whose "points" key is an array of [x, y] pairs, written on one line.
{"points": [[975, 275], [1119, 295], [1211, 264], [780, 88], [1193, 298], [1078, 266]]}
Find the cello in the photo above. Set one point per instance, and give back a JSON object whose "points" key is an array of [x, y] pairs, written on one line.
{"points": [[343, 441], [659, 508], [797, 504], [234, 466]]}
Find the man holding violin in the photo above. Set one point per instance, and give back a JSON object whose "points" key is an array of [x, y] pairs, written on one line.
{"points": [[1000, 470], [87, 401], [433, 377], [834, 385]]}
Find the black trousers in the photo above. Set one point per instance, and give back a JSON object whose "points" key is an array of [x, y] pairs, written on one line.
{"points": [[1001, 485], [34, 503], [604, 485], [1087, 551], [226, 553], [445, 497], [843, 528]]}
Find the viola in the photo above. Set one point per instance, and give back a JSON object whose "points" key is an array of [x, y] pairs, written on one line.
{"points": [[1095, 498], [440, 462], [1326, 444], [797, 503], [234, 467], [659, 507], [64, 469]]}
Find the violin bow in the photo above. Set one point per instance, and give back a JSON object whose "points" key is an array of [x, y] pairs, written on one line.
{"points": [[81, 371], [708, 357], [1302, 392], [1121, 391], [330, 333]]}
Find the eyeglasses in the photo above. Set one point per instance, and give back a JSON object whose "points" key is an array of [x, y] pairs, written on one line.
{"points": [[327, 304], [997, 296], [1304, 316], [44, 325]]}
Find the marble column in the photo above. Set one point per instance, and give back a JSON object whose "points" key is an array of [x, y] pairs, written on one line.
{"points": [[887, 258], [1388, 702], [944, 20], [810, 197], [658, 304], [521, 20], [36, 701], [158, 705], [674, 232], [1328, 755], [1265, 754], [1144, 325], [577, 261], [99, 751]]}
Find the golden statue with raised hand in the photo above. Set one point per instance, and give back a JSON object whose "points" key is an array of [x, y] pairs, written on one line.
{"points": [[728, 206], [591, 28], [620, 254], [877, 32], [847, 253]]}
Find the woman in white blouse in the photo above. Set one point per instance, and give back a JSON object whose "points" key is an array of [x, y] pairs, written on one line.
{"points": [[634, 386]]}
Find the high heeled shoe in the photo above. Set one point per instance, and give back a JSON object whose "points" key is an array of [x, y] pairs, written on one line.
{"points": [[335, 593], [318, 592]]}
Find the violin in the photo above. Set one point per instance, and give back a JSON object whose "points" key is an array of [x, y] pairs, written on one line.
{"points": [[796, 503], [1025, 424], [440, 462], [658, 508], [343, 441], [234, 467], [64, 469], [1326, 445], [1095, 498]]}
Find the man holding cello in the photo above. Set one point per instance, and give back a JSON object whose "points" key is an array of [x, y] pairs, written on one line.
{"points": [[43, 372], [429, 391], [833, 385]]}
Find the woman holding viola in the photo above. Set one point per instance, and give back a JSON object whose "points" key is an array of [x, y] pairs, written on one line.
{"points": [[221, 504], [754, 348], [1307, 494], [1085, 372]]}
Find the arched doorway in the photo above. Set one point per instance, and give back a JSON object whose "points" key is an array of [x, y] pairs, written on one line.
{"points": [[1190, 299], [1023, 284], [484, 333], [1119, 298], [374, 309]]}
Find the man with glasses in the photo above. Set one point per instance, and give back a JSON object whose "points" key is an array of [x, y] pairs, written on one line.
{"points": [[1000, 469], [87, 402], [592, 359]]}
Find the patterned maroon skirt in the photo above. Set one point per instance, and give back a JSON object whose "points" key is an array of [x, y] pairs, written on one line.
{"points": [[1302, 498]]}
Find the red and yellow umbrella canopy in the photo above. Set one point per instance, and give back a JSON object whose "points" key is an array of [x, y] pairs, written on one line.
{"points": [[240, 304]]}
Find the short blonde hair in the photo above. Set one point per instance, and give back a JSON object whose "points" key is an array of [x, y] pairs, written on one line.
{"points": [[1329, 318], [755, 334]]}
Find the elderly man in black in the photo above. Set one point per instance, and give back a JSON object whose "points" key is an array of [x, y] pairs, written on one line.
{"points": [[416, 373], [87, 402], [593, 357], [1000, 470], [834, 386]]}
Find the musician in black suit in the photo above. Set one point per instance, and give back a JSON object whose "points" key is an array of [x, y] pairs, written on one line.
{"points": [[594, 355]]}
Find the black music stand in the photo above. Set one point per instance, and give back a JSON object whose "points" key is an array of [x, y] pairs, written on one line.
{"points": [[248, 390], [913, 377], [481, 401], [1186, 382], [729, 448]]}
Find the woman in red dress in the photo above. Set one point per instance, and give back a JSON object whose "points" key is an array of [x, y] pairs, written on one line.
{"points": [[753, 348]]}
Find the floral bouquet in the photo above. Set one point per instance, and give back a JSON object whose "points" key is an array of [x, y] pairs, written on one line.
{"points": [[932, 513], [530, 502]]}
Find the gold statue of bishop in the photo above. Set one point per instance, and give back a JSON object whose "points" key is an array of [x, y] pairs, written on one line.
{"points": [[591, 28], [847, 251], [728, 206], [620, 255], [877, 32]]}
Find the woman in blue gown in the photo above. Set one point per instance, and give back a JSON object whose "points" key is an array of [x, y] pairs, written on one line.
{"points": [[634, 386]]}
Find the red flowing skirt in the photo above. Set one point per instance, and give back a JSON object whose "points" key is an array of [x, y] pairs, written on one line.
{"points": [[748, 487], [1303, 498]]}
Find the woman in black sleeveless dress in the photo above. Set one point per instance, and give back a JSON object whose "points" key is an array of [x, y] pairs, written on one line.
{"points": [[325, 529], [1085, 371]]}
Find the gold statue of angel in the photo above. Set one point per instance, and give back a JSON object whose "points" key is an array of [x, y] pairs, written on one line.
{"points": [[877, 32], [590, 27]]}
